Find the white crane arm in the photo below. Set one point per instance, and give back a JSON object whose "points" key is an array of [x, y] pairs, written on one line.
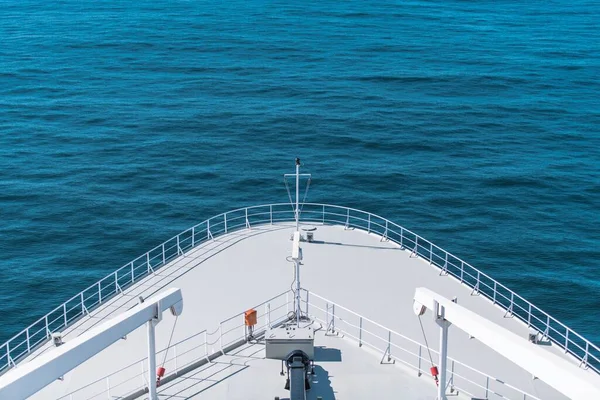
{"points": [[30, 377], [574, 382]]}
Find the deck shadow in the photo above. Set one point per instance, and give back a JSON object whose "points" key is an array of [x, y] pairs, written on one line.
{"points": [[327, 354], [355, 245]]}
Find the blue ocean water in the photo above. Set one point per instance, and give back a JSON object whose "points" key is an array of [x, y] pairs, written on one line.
{"points": [[474, 123]]}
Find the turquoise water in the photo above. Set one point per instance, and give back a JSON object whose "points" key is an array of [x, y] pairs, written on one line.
{"points": [[475, 124]]}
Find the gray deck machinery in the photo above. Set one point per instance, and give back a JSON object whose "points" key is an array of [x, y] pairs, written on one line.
{"points": [[294, 346]]}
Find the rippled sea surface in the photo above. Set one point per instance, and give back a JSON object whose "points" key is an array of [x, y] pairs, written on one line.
{"points": [[475, 124]]}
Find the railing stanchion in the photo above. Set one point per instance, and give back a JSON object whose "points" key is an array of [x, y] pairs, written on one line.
{"points": [[529, 316], [419, 363], [48, 333], [333, 318], [99, 292], [65, 313], [567, 341], [163, 253], [487, 386], [205, 344], [132, 273], [8, 354], [494, 299], [175, 352], [82, 303], [27, 335], [462, 270], [116, 281], [323, 214], [225, 221], [430, 253], [369, 224], [401, 237], [193, 236], [148, 261], [389, 349], [306, 303], [271, 214], [360, 324]]}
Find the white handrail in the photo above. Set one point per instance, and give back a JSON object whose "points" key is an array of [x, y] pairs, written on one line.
{"points": [[196, 347], [64, 315]]}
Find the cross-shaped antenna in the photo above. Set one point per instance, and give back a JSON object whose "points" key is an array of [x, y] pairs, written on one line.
{"points": [[297, 176]]}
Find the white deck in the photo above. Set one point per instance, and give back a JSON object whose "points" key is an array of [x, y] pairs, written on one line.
{"points": [[224, 277]]}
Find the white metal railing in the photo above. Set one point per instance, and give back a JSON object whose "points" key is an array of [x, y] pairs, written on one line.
{"points": [[186, 352], [334, 318], [244, 218], [396, 347]]}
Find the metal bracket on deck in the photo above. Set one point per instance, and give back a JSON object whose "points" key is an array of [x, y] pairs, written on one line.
{"points": [[384, 237], [388, 351], [414, 251]]}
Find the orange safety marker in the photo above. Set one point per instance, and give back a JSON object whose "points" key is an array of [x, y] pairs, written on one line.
{"points": [[250, 317], [434, 373], [160, 372]]}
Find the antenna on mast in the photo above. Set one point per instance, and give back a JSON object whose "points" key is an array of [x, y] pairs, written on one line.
{"points": [[296, 250], [297, 204]]}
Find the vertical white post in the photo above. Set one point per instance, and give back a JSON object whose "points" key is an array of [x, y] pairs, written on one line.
{"points": [[297, 193], [297, 263], [441, 321], [151, 361]]}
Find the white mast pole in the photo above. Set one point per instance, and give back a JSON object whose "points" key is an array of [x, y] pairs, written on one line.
{"points": [[151, 361], [297, 260], [297, 194]]}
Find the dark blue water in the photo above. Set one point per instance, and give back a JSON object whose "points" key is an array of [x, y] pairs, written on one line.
{"points": [[474, 123]]}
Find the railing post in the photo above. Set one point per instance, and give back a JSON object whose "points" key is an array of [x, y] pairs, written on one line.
{"points": [[271, 214], [529, 316], [494, 299], [132, 273], [178, 247], [430, 253], [65, 313], [567, 341], [163, 253], [487, 386], [333, 318], [462, 270], [207, 229], [225, 221], [323, 214], [48, 333], [419, 363], [360, 332], [401, 237], [28, 345], [369, 224], [116, 282], [389, 345], [148, 261], [193, 236], [82, 303], [307, 302], [8, 354], [99, 293], [175, 353], [205, 344]]}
